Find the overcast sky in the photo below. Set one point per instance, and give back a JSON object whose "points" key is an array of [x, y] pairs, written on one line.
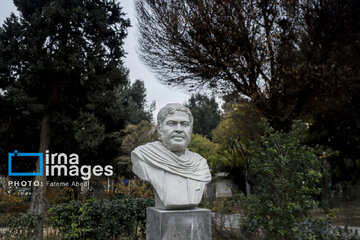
{"points": [[157, 92]]}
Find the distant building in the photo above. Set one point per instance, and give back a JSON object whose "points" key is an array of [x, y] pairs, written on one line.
{"points": [[222, 185]]}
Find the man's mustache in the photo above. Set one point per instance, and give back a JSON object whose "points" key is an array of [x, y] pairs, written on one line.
{"points": [[177, 135]]}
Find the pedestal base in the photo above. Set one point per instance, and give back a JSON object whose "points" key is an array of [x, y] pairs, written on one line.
{"points": [[178, 224]]}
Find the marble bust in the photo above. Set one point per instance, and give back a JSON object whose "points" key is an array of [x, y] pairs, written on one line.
{"points": [[177, 175]]}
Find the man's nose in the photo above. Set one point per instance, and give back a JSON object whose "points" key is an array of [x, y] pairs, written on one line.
{"points": [[178, 128]]}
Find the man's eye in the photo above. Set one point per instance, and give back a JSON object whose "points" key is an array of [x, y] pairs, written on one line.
{"points": [[185, 124], [171, 123]]}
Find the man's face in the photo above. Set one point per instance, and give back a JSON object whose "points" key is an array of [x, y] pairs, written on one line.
{"points": [[175, 132]]}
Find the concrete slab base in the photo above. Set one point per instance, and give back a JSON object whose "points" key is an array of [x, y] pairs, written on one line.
{"points": [[178, 224]]}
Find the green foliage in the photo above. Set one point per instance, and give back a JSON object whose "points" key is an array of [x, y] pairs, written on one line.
{"points": [[21, 226], [237, 128], [286, 175], [227, 134], [319, 229], [212, 152], [100, 219], [135, 135], [206, 114], [89, 133], [64, 59], [133, 98]]}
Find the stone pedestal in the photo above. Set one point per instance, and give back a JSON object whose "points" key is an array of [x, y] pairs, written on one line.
{"points": [[178, 224]]}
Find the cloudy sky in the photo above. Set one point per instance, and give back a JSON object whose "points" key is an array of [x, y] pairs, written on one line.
{"points": [[157, 92]]}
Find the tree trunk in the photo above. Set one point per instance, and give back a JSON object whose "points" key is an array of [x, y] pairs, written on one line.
{"points": [[325, 184], [37, 206], [247, 185]]}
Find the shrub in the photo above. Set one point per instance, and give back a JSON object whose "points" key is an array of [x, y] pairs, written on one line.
{"points": [[101, 219], [286, 175], [21, 226], [320, 229]]}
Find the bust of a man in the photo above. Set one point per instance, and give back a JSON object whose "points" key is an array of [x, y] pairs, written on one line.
{"points": [[177, 175]]}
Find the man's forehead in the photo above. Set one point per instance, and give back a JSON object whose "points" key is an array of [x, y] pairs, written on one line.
{"points": [[178, 115]]}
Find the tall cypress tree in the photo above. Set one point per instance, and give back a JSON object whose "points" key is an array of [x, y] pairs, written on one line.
{"points": [[61, 75]]}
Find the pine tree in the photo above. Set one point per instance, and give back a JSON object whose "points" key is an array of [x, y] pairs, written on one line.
{"points": [[61, 74]]}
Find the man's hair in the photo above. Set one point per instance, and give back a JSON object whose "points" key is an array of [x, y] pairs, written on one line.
{"points": [[171, 108]]}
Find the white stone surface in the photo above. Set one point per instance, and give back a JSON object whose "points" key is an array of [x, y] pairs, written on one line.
{"points": [[177, 175], [178, 225], [223, 186]]}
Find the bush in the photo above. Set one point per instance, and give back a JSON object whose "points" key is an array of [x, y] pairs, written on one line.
{"points": [[21, 226], [101, 219], [286, 175], [320, 229]]}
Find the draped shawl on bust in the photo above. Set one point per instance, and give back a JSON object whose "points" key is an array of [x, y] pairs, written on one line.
{"points": [[190, 165]]}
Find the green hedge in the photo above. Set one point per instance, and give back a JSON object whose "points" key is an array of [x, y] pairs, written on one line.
{"points": [[100, 219]]}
